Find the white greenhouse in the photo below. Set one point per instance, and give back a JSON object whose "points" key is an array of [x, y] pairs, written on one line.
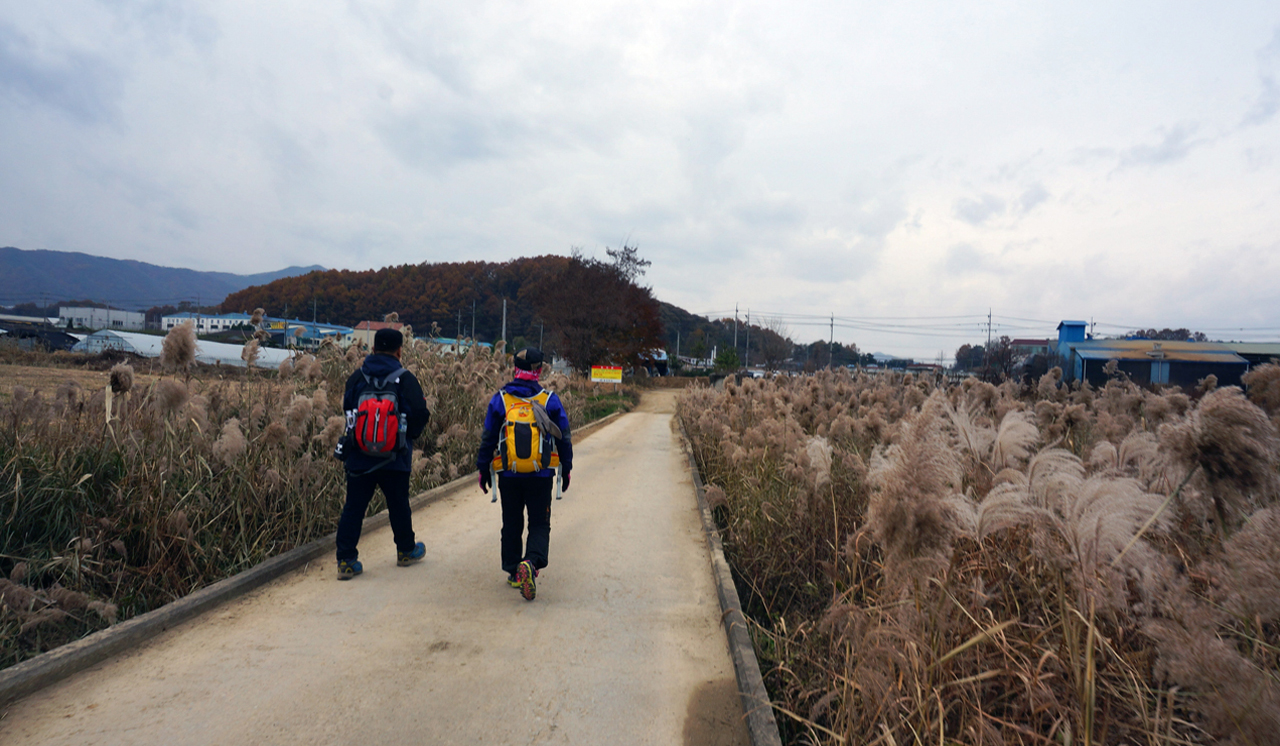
{"points": [[147, 345]]}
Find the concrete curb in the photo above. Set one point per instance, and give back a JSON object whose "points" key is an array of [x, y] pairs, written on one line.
{"points": [[755, 698], [48, 668]]}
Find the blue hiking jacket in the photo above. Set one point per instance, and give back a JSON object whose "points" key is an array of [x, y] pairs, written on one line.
{"points": [[496, 416]]}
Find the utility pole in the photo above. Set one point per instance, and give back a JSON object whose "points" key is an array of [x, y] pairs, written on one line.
{"points": [[986, 365], [677, 344], [747, 357], [504, 319], [541, 335], [460, 324], [831, 346], [735, 328]]}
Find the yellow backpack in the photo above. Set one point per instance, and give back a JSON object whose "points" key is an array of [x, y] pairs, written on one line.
{"points": [[527, 443]]}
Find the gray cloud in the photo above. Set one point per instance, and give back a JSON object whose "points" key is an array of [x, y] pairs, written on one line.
{"points": [[965, 259], [1268, 102], [1032, 196], [82, 86], [979, 211], [436, 140], [1175, 144]]}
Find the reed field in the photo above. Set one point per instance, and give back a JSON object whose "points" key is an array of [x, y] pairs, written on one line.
{"points": [[123, 490], [924, 563]]}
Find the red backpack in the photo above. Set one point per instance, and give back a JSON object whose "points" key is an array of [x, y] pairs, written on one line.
{"points": [[381, 429]]}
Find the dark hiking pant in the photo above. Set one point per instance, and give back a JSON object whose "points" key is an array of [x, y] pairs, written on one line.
{"points": [[519, 494], [395, 488]]}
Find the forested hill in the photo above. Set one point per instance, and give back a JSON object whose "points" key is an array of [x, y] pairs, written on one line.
{"points": [[586, 310], [43, 277]]}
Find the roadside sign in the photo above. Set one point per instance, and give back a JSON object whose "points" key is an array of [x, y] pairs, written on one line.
{"points": [[606, 374]]}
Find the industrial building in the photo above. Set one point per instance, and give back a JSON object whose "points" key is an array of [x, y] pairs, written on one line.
{"points": [[1146, 361]]}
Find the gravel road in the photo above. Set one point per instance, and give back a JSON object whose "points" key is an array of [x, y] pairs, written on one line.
{"points": [[622, 645]]}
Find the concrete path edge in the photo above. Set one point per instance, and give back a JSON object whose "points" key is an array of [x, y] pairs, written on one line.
{"points": [[756, 705], [49, 668]]}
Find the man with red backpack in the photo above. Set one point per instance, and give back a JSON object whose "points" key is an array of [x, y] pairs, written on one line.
{"points": [[386, 411], [526, 436]]}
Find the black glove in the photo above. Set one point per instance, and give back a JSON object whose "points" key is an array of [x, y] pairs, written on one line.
{"points": [[485, 481], [564, 482]]}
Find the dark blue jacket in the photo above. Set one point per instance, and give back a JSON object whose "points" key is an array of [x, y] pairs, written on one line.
{"points": [[412, 404], [496, 416]]}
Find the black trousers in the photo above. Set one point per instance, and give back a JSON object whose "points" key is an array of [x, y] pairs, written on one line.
{"points": [[519, 494], [395, 488]]}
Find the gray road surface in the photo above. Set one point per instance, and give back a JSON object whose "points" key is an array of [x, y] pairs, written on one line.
{"points": [[622, 646]]}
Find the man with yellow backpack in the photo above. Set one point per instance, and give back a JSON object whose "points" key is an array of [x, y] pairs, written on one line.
{"points": [[526, 437]]}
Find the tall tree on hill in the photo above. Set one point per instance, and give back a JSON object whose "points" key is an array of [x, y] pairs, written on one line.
{"points": [[599, 315]]}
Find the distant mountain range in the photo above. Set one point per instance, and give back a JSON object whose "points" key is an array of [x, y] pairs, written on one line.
{"points": [[50, 276]]}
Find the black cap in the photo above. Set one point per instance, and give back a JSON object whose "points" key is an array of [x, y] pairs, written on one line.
{"points": [[387, 340], [530, 358]]}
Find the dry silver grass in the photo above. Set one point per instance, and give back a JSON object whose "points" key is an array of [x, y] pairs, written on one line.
{"points": [[818, 449], [1014, 439], [257, 317], [1235, 445], [299, 414], [249, 354], [170, 396], [908, 511], [178, 350], [1263, 385], [275, 434], [231, 444], [1251, 568], [1101, 516], [333, 429], [121, 378], [285, 368]]}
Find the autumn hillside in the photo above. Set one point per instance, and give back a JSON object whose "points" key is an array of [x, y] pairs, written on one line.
{"points": [[587, 310]]}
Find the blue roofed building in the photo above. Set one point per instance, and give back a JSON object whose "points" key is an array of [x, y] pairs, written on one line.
{"points": [[1145, 361]]}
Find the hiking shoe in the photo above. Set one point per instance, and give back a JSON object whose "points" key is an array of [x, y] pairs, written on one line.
{"points": [[525, 575], [348, 569], [513, 581], [404, 559]]}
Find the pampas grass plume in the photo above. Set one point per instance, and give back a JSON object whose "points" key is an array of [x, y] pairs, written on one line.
{"points": [[170, 396], [231, 443], [178, 351], [250, 353], [121, 378]]}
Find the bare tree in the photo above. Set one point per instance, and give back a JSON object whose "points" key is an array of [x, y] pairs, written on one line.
{"points": [[775, 343]]}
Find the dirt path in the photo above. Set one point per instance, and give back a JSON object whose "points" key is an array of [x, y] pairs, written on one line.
{"points": [[622, 646]]}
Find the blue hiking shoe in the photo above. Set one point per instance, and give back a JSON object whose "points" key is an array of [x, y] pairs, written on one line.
{"points": [[348, 569], [525, 575], [404, 559]]}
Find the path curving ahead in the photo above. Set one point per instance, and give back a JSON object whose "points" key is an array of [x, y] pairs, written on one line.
{"points": [[622, 646]]}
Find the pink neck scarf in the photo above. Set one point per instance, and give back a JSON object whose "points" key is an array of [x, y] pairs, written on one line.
{"points": [[526, 375]]}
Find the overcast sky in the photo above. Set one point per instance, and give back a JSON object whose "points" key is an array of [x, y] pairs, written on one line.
{"points": [[1094, 160]]}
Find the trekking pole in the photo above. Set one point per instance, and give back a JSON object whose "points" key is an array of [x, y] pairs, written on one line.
{"points": [[557, 478], [493, 485]]}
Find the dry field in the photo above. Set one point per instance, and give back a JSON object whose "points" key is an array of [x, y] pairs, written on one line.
{"points": [[994, 565], [47, 380]]}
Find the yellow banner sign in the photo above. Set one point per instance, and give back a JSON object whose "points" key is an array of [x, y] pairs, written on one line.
{"points": [[606, 374]]}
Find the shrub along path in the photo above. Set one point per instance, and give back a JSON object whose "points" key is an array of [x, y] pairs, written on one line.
{"points": [[623, 644]]}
